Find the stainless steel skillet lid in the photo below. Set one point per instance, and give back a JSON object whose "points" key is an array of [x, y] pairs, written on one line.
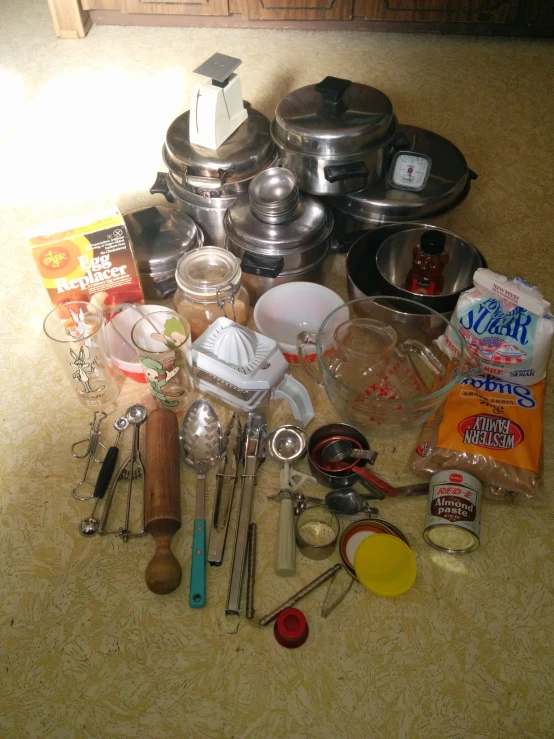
{"points": [[448, 184], [246, 152], [333, 118]]}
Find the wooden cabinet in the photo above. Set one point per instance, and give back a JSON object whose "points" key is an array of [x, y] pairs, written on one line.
{"points": [[72, 18], [539, 13], [439, 11], [183, 7], [324, 10]]}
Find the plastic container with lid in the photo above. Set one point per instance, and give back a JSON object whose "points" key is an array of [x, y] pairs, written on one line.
{"points": [[208, 287]]}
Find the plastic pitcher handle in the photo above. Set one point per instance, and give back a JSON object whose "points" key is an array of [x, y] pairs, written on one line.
{"points": [[303, 339], [297, 397], [425, 354]]}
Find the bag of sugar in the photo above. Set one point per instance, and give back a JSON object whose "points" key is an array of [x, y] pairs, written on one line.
{"points": [[507, 327]]}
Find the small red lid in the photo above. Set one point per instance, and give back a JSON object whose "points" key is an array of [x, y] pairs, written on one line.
{"points": [[291, 628]]}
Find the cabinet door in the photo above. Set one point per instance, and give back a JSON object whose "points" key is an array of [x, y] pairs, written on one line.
{"points": [[439, 11], [300, 10], [183, 7], [539, 13]]}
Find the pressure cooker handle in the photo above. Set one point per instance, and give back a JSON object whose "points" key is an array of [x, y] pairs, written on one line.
{"points": [[262, 266], [338, 172], [161, 187], [332, 91]]}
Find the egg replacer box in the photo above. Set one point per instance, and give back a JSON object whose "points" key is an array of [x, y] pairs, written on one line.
{"points": [[507, 327], [90, 259]]}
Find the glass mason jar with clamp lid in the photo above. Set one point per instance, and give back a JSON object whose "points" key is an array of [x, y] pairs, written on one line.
{"points": [[208, 287]]}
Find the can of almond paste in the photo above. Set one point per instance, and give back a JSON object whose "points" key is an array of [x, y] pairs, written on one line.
{"points": [[454, 511]]}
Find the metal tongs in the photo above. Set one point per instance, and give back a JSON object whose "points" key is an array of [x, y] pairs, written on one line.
{"points": [[226, 480], [253, 453]]}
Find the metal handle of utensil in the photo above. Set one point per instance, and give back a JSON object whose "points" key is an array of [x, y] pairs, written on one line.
{"points": [[300, 594], [239, 554], [197, 595], [381, 485], [285, 552]]}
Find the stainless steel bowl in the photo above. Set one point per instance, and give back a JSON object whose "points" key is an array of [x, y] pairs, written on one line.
{"points": [[394, 260], [363, 277], [273, 188]]}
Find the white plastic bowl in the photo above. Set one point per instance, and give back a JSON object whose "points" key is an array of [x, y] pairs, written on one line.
{"points": [[286, 310]]}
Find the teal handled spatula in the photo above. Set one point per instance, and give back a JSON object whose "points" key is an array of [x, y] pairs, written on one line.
{"points": [[200, 440]]}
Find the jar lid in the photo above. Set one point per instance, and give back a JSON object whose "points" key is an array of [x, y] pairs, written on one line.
{"points": [[333, 118], [209, 273], [160, 236], [246, 152], [309, 225], [448, 184]]}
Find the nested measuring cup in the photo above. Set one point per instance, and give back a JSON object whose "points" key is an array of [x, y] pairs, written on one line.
{"points": [[370, 359], [355, 363]]}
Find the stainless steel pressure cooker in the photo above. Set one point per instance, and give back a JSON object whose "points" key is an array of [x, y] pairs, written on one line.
{"points": [[279, 234], [422, 183], [335, 136], [204, 182]]}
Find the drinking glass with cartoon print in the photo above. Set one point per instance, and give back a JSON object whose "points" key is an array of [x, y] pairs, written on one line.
{"points": [[77, 335], [162, 342]]}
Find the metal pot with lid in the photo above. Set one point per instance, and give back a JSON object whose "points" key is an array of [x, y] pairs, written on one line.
{"points": [[279, 234], [204, 182], [160, 236], [335, 136], [425, 180]]}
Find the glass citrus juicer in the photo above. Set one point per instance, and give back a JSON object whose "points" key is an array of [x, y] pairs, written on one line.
{"points": [[381, 362]]}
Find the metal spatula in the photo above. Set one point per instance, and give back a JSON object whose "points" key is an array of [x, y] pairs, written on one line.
{"points": [[199, 438]]}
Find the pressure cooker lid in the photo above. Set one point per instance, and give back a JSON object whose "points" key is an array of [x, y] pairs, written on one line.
{"points": [[245, 153], [333, 118], [310, 224], [160, 236], [447, 185]]}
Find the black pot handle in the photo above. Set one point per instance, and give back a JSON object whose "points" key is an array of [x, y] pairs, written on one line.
{"points": [[338, 172], [341, 244], [161, 187], [472, 175], [332, 91], [400, 142], [262, 266]]}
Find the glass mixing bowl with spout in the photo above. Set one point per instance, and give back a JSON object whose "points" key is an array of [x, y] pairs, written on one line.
{"points": [[382, 364]]}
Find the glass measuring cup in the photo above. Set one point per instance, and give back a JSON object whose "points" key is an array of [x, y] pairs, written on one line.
{"points": [[375, 411], [370, 359]]}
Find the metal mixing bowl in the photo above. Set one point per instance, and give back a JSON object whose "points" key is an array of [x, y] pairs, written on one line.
{"points": [[394, 259], [363, 277]]}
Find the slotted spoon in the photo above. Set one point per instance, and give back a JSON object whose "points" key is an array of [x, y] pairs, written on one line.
{"points": [[199, 439]]}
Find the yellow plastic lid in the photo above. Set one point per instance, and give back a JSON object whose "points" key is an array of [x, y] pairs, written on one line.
{"points": [[385, 565]]}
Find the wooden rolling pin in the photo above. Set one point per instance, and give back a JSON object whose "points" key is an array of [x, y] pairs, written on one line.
{"points": [[162, 498]]}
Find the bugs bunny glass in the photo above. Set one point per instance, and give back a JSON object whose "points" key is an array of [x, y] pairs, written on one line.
{"points": [[77, 335]]}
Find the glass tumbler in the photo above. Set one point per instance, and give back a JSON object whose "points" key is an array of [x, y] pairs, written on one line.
{"points": [[162, 341], [77, 335]]}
